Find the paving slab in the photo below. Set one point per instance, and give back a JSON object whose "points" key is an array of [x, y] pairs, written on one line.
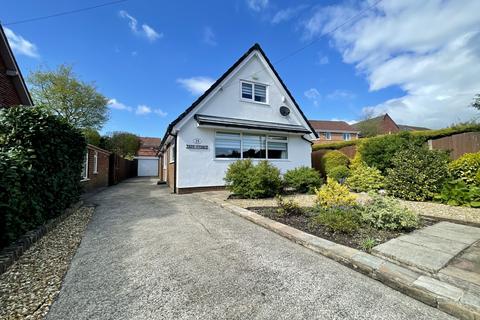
{"points": [[416, 256], [434, 242], [454, 232]]}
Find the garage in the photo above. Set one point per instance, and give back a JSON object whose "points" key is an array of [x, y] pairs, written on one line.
{"points": [[147, 166]]}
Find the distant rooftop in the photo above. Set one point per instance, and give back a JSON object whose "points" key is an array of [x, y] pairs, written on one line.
{"points": [[327, 125]]}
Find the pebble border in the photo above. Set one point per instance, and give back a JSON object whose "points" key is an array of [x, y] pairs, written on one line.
{"points": [[11, 253], [446, 297]]}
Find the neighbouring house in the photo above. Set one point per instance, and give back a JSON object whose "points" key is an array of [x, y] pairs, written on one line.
{"points": [[96, 168], [13, 90], [332, 131], [383, 124], [147, 157], [248, 113]]}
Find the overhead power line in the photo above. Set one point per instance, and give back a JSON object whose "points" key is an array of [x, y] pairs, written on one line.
{"points": [[64, 13]]}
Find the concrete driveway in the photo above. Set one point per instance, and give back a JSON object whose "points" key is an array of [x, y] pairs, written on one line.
{"points": [[148, 254]]}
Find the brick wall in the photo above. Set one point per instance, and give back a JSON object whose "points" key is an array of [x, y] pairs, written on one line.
{"points": [[97, 179], [8, 94], [388, 125], [336, 136]]}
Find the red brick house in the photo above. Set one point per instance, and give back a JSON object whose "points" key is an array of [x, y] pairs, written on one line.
{"points": [[148, 164], [95, 168], [13, 90], [332, 131], [383, 124]]}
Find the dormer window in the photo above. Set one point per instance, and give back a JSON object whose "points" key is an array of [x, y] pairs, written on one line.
{"points": [[255, 92]]}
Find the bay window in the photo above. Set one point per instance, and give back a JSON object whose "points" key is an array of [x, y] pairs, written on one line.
{"points": [[230, 145]]}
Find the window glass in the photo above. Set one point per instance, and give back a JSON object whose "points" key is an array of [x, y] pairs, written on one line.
{"points": [[85, 166], [327, 135], [260, 93], [227, 145], [254, 146], [277, 147], [95, 162], [247, 89], [346, 136]]}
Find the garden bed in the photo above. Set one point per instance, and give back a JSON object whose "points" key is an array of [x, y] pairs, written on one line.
{"points": [[353, 240]]}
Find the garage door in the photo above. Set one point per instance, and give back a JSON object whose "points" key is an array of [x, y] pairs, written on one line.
{"points": [[147, 167]]}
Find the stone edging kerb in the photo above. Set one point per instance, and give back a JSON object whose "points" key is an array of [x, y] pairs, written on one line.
{"points": [[10, 254], [426, 289]]}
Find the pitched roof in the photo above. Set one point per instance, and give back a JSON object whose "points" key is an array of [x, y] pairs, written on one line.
{"points": [[326, 125], [148, 146], [257, 47], [376, 121], [13, 71], [405, 127]]}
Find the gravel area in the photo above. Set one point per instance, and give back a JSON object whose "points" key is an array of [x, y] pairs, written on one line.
{"points": [[30, 285], [423, 208]]}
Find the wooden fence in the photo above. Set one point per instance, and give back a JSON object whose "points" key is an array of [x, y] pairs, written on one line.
{"points": [[121, 169]]}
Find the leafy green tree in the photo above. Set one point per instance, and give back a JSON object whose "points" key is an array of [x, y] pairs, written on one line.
{"points": [[92, 136], [123, 143], [60, 92], [476, 102]]}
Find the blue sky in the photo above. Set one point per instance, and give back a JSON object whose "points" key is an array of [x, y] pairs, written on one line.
{"points": [[152, 58]]}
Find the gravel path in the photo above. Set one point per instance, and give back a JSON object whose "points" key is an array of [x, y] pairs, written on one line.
{"points": [[30, 285], [423, 208]]}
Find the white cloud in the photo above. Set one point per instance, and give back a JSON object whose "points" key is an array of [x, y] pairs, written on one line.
{"points": [[321, 59], [196, 85], [20, 45], [143, 109], [145, 31], [340, 95], [115, 104], [209, 36], [313, 95], [430, 49], [347, 121], [287, 14], [160, 113], [257, 5]]}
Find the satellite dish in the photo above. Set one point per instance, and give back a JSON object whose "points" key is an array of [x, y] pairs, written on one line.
{"points": [[284, 111]]}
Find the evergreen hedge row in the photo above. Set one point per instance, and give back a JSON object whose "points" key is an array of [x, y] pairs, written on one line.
{"points": [[41, 160]]}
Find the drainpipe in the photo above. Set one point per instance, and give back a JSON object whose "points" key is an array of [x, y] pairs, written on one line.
{"points": [[175, 165]]}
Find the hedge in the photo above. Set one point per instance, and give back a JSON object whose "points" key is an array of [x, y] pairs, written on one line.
{"points": [[41, 160]]}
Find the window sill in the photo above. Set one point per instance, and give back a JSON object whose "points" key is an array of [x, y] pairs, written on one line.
{"points": [[95, 172], [85, 179], [253, 159], [266, 104]]}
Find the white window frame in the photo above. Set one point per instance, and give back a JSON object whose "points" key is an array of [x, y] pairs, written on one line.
{"points": [[347, 136], [95, 162], [327, 135], [267, 89], [241, 146], [171, 153], [85, 168]]}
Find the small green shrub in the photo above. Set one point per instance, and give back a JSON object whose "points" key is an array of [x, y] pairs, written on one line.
{"points": [[364, 178], [334, 195], [458, 193], [333, 159], [247, 180], [288, 207], [339, 173], [367, 244], [344, 220], [387, 213], [302, 179], [417, 173], [466, 168], [378, 152]]}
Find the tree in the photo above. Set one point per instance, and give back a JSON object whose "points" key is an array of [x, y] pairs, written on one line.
{"points": [[61, 93], [123, 143], [92, 136], [476, 102], [368, 126]]}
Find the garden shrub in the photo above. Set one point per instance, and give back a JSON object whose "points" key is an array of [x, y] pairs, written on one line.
{"points": [[333, 159], [364, 178], [466, 168], [333, 194], [288, 207], [458, 193], [302, 179], [339, 173], [344, 220], [417, 173], [387, 213], [253, 181], [41, 159], [379, 151]]}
